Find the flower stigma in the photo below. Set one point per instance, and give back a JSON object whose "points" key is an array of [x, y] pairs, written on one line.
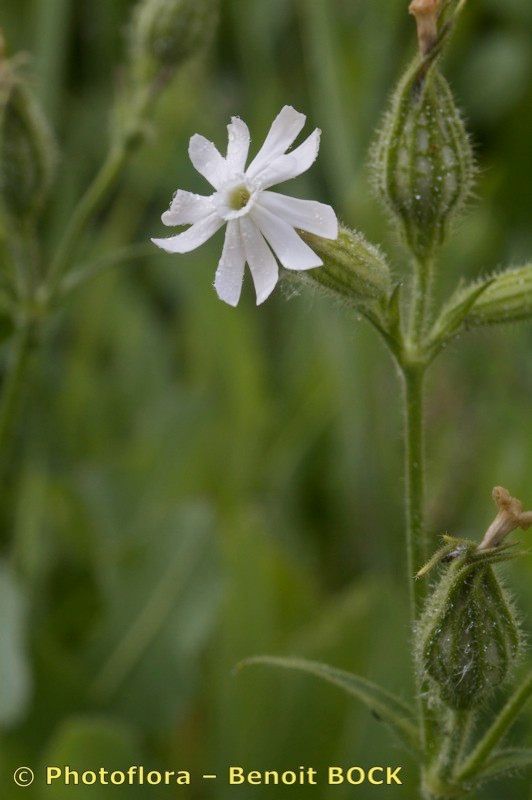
{"points": [[238, 198]]}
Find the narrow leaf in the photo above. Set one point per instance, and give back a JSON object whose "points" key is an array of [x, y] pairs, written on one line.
{"points": [[455, 312], [384, 705], [509, 760]]}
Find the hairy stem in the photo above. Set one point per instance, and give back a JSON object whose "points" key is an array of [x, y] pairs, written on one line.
{"points": [[416, 544], [496, 731], [456, 733], [421, 298]]}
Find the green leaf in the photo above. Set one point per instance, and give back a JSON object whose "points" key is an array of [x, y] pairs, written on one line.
{"points": [[455, 312], [508, 760], [384, 705]]}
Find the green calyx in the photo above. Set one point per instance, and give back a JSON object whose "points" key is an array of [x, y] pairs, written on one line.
{"points": [[354, 271], [167, 33], [468, 638], [423, 163], [508, 298], [27, 149]]}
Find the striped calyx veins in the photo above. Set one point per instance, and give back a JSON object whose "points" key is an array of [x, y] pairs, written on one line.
{"points": [[468, 638], [423, 162]]}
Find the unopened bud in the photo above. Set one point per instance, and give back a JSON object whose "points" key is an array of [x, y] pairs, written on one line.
{"points": [[166, 33], [423, 162], [508, 298], [353, 270], [468, 638], [27, 151]]}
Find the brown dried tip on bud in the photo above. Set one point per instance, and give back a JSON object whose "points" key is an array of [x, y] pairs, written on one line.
{"points": [[510, 517], [426, 14]]}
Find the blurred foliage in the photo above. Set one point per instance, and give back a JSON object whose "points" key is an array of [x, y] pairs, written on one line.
{"points": [[192, 484]]}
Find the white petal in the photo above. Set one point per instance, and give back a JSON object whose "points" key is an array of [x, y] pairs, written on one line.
{"points": [[307, 215], [207, 160], [292, 164], [230, 272], [260, 258], [290, 249], [238, 145], [283, 132], [187, 208], [195, 236]]}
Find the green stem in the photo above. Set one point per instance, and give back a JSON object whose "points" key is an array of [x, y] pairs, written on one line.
{"points": [[414, 369], [452, 743], [438, 779], [12, 386], [416, 543], [78, 277], [129, 138], [421, 298], [89, 204], [496, 731]]}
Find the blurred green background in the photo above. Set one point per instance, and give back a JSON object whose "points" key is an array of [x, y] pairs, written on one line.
{"points": [[193, 484]]}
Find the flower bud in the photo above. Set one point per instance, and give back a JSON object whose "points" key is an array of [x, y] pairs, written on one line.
{"points": [[423, 162], [508, 298], [353, 269], [27, 152], [166, 33], [468, 638]]}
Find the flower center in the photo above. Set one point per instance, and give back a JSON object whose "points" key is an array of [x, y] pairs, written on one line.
{"points": [[238, 198]]}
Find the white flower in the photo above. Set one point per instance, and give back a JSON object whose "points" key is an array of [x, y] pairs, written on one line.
{"points": [[261, 225]]}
